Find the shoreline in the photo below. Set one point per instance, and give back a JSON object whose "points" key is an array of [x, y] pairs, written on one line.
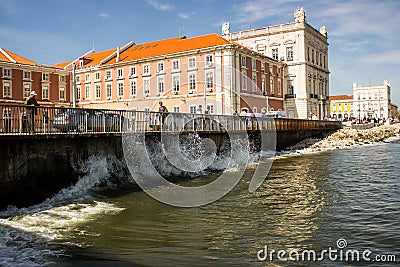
{"points": [[347, 138]]}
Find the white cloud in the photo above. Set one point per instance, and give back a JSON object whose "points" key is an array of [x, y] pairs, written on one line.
{"points": [[159, 6], [185, 15], [385, 57], [104, 15], [256, 10]]}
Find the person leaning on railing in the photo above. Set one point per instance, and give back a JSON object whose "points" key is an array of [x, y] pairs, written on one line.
{"points": [[31, 110]]}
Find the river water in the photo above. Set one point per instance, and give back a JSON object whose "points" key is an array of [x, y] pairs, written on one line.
{"points": [[337, 200]]}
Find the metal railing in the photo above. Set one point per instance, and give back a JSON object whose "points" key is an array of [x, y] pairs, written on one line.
{"points": [[55, 120]]}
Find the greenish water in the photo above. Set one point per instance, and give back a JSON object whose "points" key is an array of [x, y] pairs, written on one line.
{"points": [[307, 202]]}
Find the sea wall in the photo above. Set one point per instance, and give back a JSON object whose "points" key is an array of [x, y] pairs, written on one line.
{"points": [[34, 167]]}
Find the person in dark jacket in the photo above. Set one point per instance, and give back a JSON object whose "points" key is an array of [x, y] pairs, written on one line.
{"points": [[31, 110]]}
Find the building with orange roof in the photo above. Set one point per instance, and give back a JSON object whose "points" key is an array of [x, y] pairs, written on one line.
{"points": [[185, 73], [341, 107], [20, 76]]}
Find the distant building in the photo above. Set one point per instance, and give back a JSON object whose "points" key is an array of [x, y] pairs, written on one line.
{"points": [[341, 107], [182, 72], [20, 76], [305, 51], [372, 101]]}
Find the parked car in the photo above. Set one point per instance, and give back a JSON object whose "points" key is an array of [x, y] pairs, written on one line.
{"points": [[87, 120]]}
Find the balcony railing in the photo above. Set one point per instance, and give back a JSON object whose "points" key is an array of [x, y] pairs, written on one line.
{"points": [[24, 120]]}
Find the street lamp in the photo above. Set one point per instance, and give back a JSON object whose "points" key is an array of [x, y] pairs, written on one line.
{"points": [[205, 96], [73, 85], [266, 101]]}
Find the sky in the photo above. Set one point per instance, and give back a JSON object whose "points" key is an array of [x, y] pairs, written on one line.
{"points": [[363, 35]]}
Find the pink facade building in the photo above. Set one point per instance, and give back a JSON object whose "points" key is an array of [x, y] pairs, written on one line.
{"points": [[183, 73]]}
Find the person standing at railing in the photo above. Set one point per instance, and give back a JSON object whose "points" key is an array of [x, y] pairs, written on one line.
{"points": [[163, 112], [31, 110]]}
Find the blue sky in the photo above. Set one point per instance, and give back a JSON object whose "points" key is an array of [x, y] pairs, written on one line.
{"points": [[364, 35]]}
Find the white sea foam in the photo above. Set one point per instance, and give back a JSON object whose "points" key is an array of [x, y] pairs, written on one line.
{"points": [[29, 236]]}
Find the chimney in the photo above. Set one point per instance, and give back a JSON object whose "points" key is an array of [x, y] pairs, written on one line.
{"points": [[117, 59]]}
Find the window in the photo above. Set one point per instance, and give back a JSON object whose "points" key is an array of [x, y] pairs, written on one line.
{"points": [[316, 57], [263, 88], [308, 54], [253, 64], [210, 108], [289, 53], [45, 77], [98, 91], [87, 92], [108, 90], [62, 78], [175, 64], [192, 109], [210, 79], [120, 73], [6, 89], [192, 81], [254, 83], [61, 93], [87, 77], [7, 73], [45, 92], [132, 71], [133, 88], [160, 85], [176, 109], [146, 69], [244, 81], [175, 83], [78, 78], [243, 61], [160, 67], [97, 76], [192, 62], [255, 109], [271, 86], [209, 60], [312, 55], [146, 86], [27, 75], [275, 54], [290, 88], [120, 89], [27, 90], [324, 62], [108, 75], [78, 93], [279, 87], [320, 59]]}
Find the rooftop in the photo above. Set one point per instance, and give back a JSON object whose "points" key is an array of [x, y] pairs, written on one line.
{"points": [[10, 57], [341, 97]]}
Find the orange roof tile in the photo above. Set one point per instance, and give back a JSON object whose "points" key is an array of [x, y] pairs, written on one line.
{"points": [[153, 49], [169, 46], [341, 97], [18, 59], [97, 57]]}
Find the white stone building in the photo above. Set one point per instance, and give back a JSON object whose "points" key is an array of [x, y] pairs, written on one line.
{"points": [[372, 101], [305, 51]]}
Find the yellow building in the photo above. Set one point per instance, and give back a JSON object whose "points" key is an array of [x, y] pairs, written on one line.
{"points": [[341, 107]]}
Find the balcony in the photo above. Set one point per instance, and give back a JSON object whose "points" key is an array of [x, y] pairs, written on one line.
{"points": [[290, 96]]}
